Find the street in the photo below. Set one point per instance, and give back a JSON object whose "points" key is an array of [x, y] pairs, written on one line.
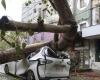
{"points": [[7, 77], [3, 76]]}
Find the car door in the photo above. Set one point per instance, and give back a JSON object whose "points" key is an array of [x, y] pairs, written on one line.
{"points": [[55, 66]]}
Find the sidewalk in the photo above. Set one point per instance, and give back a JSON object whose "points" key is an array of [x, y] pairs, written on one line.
{"points": [[91, 75]]}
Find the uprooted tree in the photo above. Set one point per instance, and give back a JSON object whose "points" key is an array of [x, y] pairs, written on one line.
{"points": [[66, 25]]}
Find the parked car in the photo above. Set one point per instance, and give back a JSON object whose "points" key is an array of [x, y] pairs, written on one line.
{"points": [[44, 64]]}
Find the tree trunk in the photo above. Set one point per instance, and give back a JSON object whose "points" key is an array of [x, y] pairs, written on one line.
{"points": [[11, 55], [66, 39]]}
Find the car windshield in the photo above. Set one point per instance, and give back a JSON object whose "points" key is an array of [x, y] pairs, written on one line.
{"points": [[51, 53], [31, 55]]}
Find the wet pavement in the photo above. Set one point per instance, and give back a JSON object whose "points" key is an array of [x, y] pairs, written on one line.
{"points": [[85, 76], [74, 76], [7, 77]]}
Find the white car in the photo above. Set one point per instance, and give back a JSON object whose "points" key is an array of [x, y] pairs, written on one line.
{"points": [[44, 64]]}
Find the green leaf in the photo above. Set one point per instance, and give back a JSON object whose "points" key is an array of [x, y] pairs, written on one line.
{"points": [[23, 45], [13, 44], [40, 3], [3, 4], [18, 49], [48, 11], [2, 33], [51, 9], [17, 32], [26, 4], [30, 32], [29, 2], [44, 1]]}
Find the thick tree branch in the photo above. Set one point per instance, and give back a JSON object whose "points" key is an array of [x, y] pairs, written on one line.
{"points": [[64, 12], [11, 55], [13, 26], [52, 3]]}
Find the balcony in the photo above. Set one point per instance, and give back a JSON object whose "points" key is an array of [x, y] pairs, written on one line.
{"points": [[93, 31]]}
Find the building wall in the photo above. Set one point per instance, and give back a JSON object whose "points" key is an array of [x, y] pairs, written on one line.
{"points": [[93, 63], [82, 15], [43, 36], [31, 11]]}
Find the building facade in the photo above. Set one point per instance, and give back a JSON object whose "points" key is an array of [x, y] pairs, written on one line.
{"points": [[87, 15]]}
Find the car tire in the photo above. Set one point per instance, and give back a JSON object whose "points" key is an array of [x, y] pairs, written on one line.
{"points": [[6, 69], [30, 75]]}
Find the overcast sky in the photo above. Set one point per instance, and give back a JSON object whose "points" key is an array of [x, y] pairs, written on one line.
{"points": [[13, 10]]}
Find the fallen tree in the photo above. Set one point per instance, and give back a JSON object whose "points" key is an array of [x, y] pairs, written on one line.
{"points": [[35, 27], [67, 39], [11, 55]]}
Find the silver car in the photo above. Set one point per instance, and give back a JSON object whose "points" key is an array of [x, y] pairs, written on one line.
{"points": [[44, 64]]}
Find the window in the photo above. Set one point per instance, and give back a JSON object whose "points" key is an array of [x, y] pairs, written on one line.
{"points": [[97, 15], [97, 49], [82, 3], [50, 53], [83, 25]]}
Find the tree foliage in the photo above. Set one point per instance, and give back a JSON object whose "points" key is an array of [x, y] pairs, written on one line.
{"points": [[3, 4]]}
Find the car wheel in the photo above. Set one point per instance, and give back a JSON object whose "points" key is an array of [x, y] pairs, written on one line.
{"points": [[6, 69], [30, 75]]}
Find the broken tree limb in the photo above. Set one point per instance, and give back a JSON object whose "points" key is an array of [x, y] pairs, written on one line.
{"points": [[11, 55], [25, 27]]}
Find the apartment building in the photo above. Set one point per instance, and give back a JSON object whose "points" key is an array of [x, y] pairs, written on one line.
{"points": [[31, 10], [87, 15]]}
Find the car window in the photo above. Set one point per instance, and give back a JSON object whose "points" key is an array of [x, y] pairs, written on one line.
{"points": [[50, 53], [31, 55]]}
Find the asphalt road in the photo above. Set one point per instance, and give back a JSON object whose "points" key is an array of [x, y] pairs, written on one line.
{"points": [[7, 77]]}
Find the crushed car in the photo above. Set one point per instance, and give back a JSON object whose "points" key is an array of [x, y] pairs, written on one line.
{"points": [[44, 64]]}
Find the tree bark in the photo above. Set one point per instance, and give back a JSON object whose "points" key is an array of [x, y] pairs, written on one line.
{"points": [[35, 27], [67, 39], [11, 55]]}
